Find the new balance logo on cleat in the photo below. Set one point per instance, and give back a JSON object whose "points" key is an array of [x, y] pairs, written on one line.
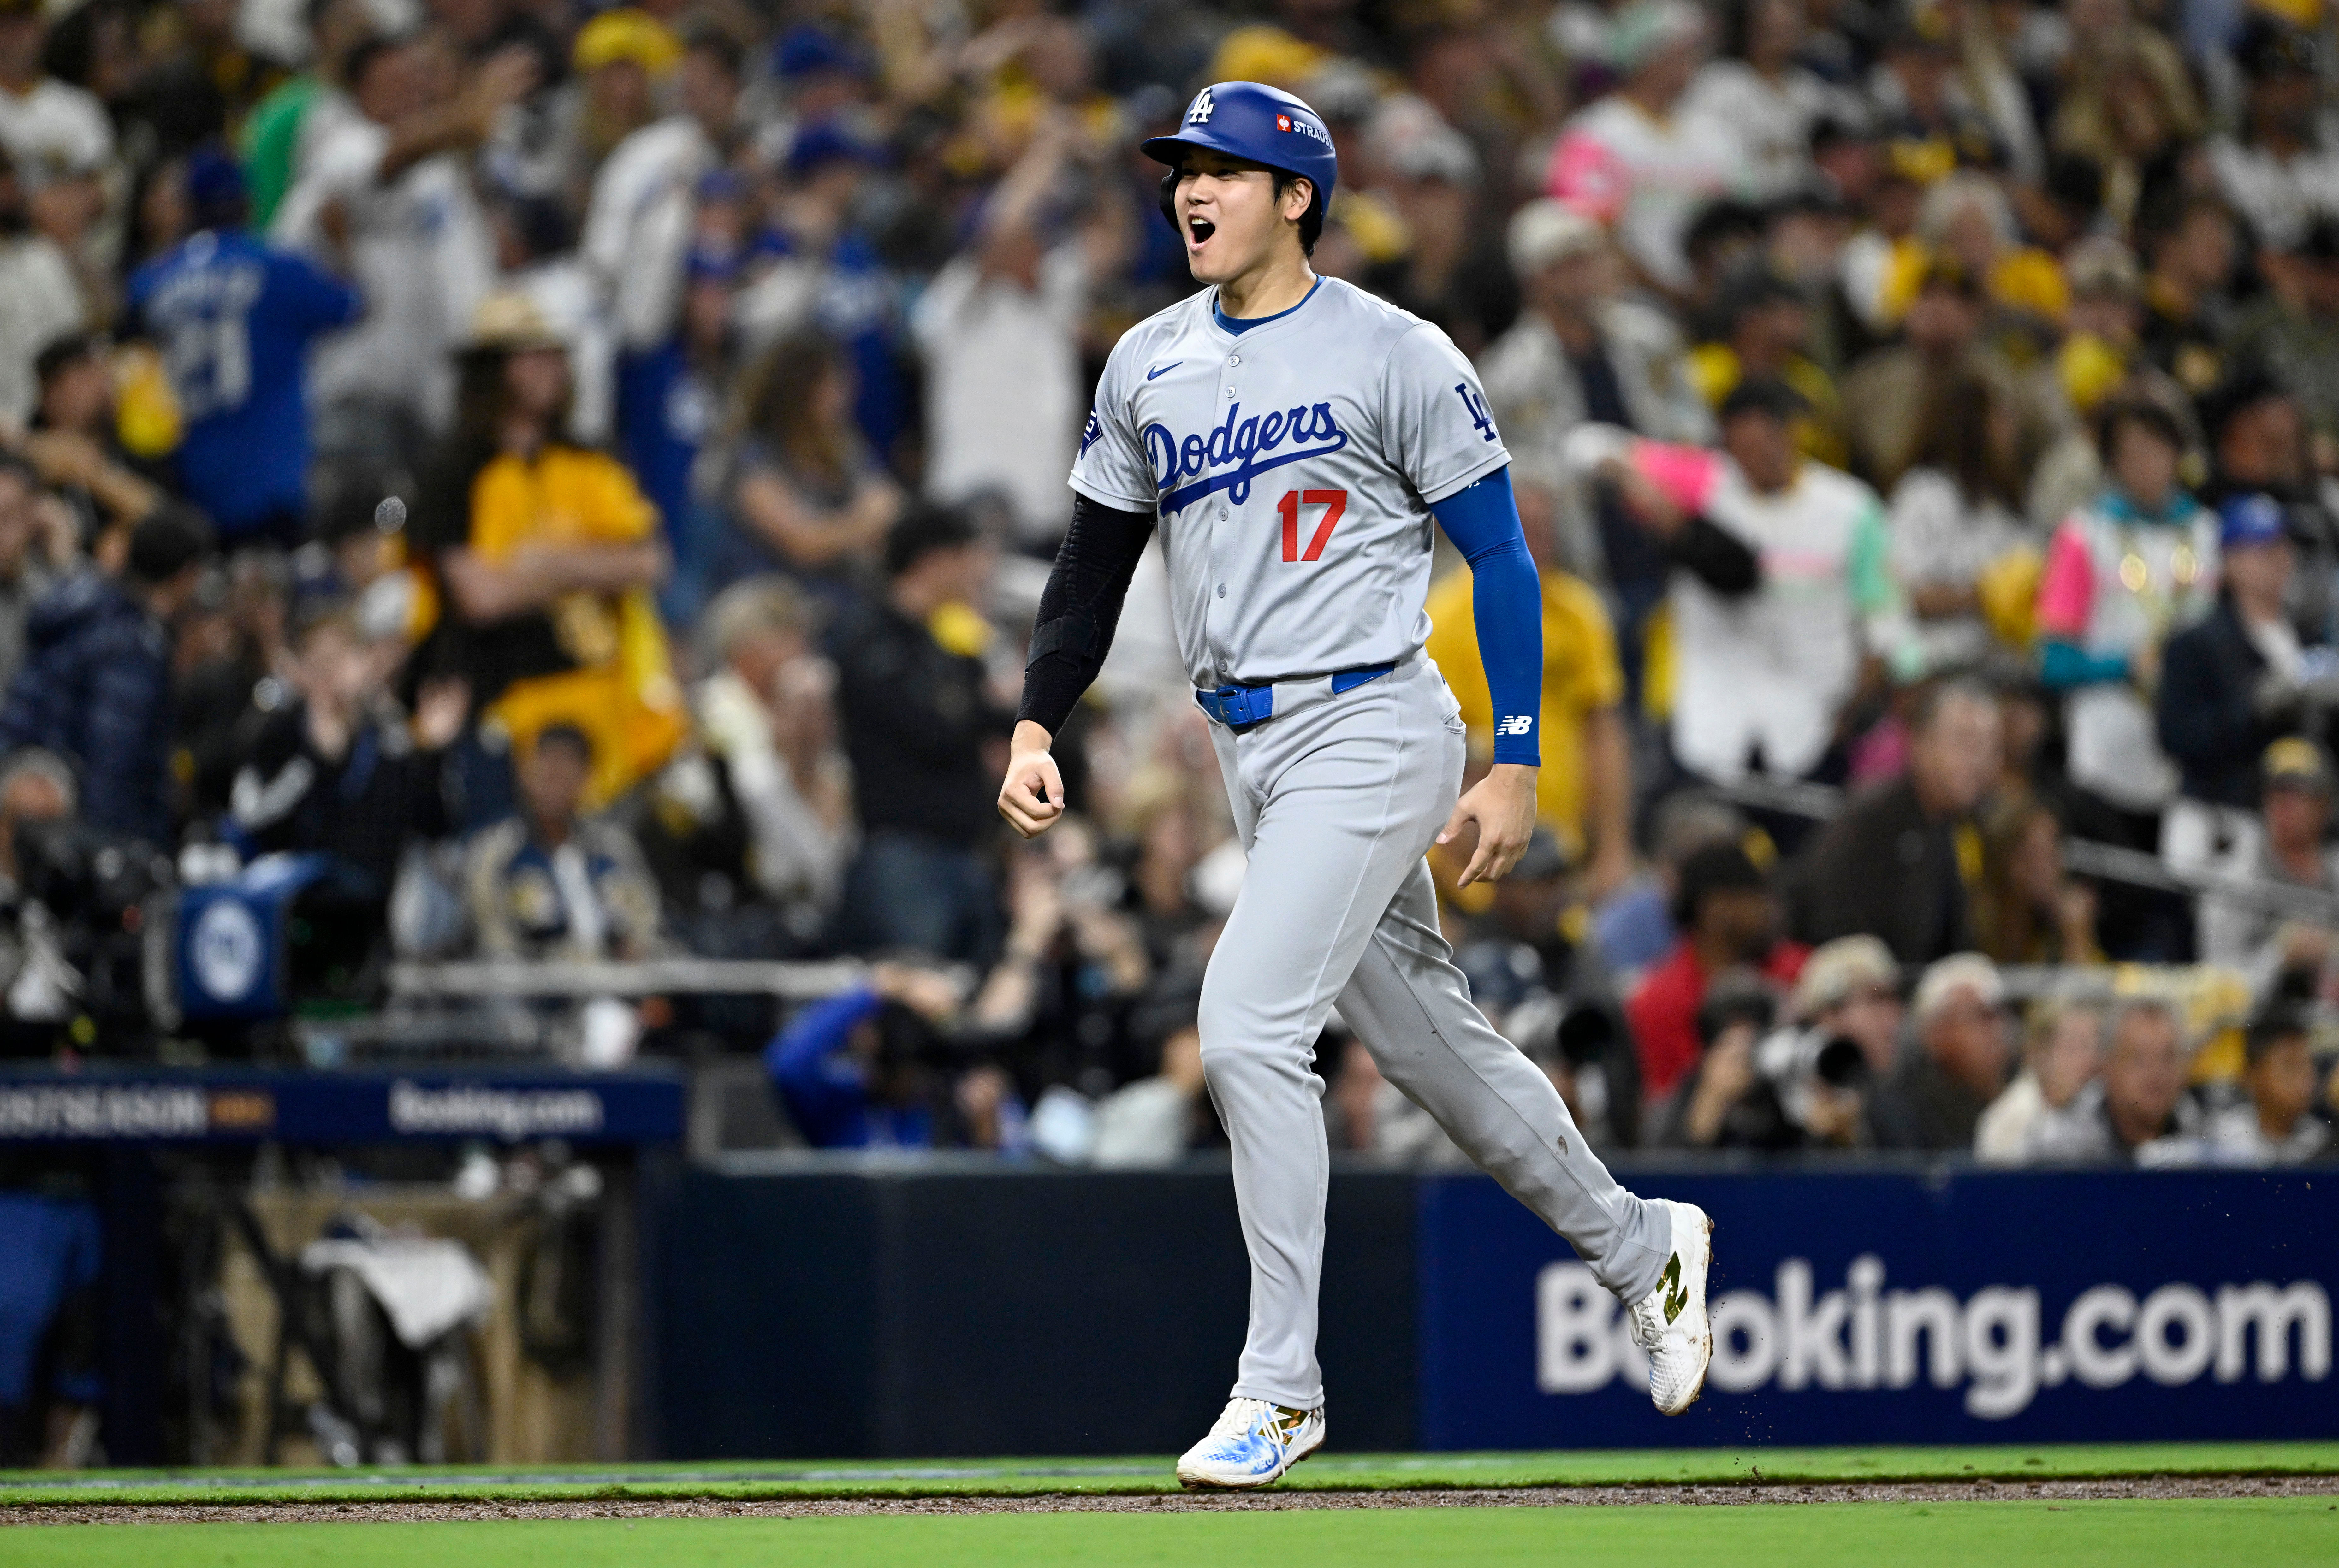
{"points": [[1515, 724], [1671, 1323]]}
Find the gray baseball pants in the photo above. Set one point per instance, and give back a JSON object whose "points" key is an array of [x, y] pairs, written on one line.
{"points": [[1336, 804]]}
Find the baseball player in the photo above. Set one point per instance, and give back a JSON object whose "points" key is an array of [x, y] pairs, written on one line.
{"points": [[1292, 437]]}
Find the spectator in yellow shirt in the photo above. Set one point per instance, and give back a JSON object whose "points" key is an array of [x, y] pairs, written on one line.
{"points": [[1583, 793], [547, 554]]}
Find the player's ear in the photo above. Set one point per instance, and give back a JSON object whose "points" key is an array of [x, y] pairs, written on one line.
{"points": [[1298, 195]]}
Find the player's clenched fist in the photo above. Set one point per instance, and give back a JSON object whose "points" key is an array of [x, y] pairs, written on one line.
{"points": [[1503, 804], [1033, 798]]}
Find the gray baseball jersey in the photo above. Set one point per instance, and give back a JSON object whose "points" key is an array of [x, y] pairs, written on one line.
{"points": [[1293, 466]]}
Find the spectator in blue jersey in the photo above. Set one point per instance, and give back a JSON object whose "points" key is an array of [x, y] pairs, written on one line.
{"points": [[874, 1067], [95, 686], [853, 299], [676, 396], [233, 318]]}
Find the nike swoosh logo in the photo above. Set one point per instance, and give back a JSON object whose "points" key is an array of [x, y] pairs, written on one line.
{"points": [[1164, 370]]}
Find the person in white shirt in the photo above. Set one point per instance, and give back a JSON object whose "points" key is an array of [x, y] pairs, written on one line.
{"points": [[384, 192], [1579, 351], [1151, 1122], [2137, 1112], [2277, 1125], [637, 225], [2279, 173], [1634, 160], [1761, 677], [1764, 99], [1955, 515], [2259, 938], [768, 715], [43, 121], [999, 329], [39, 300], [2065, 1052]]}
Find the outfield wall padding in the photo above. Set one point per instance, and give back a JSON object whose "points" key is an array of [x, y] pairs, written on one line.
{"points": [[950, 1308]]}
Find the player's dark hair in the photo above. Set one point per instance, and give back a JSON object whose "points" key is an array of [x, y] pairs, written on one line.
{"points": [[1311, 221]]}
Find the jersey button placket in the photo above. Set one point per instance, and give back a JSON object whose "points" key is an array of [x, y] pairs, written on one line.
{"points": [[1220, 546]]}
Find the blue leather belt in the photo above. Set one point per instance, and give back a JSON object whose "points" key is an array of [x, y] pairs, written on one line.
{"points": [[1240, 707]]}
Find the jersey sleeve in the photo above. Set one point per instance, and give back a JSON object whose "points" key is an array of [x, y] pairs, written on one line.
{"points": [[1436, 429], [314, 299], [1110, 468]]}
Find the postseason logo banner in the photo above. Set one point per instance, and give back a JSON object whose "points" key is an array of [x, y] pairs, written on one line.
{"points": [[1971, 1307], [643, 1105]]}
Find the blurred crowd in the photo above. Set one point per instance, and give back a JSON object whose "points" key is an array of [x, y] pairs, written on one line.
{"points": [[581, 478]]}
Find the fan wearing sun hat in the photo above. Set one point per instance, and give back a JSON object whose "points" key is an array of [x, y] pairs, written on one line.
{"points": [[546, 555]]}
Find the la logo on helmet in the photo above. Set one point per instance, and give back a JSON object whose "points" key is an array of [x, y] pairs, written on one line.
{"points": [[1199, 113]]}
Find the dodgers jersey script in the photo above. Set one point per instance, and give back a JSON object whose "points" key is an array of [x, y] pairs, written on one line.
{"points": [[1292, 465]]}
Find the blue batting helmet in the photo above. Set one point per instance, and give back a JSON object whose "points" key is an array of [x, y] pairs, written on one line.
{"points": [[1260, 124]]}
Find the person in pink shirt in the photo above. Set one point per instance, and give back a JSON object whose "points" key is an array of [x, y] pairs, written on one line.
{"points": [[2123, 573]]}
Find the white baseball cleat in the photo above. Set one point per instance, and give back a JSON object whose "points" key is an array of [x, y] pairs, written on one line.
{"points": [[1253, 1444], [1670, 1322]]}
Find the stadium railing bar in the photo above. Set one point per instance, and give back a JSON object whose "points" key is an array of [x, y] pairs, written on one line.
{"points": [[478, 979], [2087, 857]]}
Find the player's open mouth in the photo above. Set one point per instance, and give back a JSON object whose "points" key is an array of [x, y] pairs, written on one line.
{"points": [[1199, 232]]}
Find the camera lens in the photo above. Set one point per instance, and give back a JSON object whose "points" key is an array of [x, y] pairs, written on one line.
{"points": [[1841, 1062]]}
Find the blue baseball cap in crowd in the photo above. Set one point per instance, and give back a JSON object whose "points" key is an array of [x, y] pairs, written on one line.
{"points": [[808, 51], [214, 182], [817, 146], [2247, 521]]}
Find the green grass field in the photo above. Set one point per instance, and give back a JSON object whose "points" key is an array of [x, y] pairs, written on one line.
{"points": [[2238, 1533], [1141, 1474], [2270, 1534]]}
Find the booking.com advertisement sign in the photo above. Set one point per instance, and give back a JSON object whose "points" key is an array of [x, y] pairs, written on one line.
{"points": [[1969, 1307]]}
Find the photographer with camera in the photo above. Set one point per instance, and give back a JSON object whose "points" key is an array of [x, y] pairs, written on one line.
{"points": [[1567, 1018], [880, 1066], [1726, 1102], [1844, 1042]]}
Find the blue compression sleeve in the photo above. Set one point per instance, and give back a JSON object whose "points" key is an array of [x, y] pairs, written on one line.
{"points": [[1506, 601], [2063, 666]]}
